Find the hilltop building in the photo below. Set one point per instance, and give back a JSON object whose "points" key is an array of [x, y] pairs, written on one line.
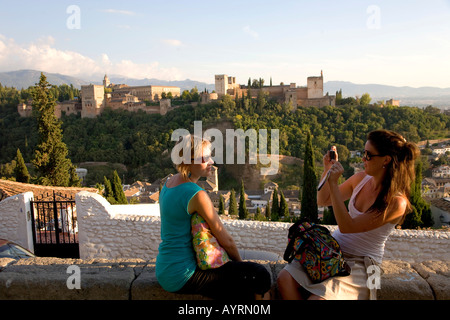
{"points": [[311, 95], [95, 98], [392, 102], [68, 107], [123, 97], [92, 100], [152, 99]]}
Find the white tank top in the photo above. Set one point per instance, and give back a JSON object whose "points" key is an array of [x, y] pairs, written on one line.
{"points": [[370, 243]]}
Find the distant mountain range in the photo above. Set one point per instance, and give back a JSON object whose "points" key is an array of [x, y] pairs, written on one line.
{"points": [[23, 79], [438, 97], [409, 96], [26, 78]]}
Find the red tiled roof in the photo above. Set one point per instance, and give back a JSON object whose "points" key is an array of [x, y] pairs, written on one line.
{"points": [[11, 188], [443, 204]]}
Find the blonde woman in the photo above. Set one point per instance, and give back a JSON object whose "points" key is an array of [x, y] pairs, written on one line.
{"points": [[378, 201], [176, 265]]}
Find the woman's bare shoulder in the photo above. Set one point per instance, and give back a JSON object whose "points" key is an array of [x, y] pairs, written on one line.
{"points": [[355, 179]]}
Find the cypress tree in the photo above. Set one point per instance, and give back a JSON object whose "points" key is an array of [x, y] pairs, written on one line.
{"points": [[221, 205], [275, 206], [268, 213], [21, 171], [328, 216], [237, 100], [421, 215], [232, 210], [50, 158], [108, 191], [119, 195], [284, 208], [243, 212], [74, 180], [309, 190], [426, 215], [259, 216]]}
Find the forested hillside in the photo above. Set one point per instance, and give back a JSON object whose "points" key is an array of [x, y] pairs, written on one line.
{"points": [[138, 140]]}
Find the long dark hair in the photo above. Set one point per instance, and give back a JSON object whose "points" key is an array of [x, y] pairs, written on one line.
{"points": [[400, 171]]}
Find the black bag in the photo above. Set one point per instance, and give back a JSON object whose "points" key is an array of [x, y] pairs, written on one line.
{"points": [[316, 250]]}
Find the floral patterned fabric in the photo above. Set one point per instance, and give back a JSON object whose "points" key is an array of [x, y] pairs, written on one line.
{"points": [[316, 250], [207, 249]]}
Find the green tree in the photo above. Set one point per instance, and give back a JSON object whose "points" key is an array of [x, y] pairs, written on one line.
{"points": [[284, 208], [186, 95], [195, 95], [20, 170], [268, 213], [232, 210], [338, 97], [261, 101], [74, 179], [365, 99], [51, 161], [421, 215], [243, 212], [275, 206], [108, 191], [117, 188], [221, 205], [309, 190], [328, 216], [259, 216]]}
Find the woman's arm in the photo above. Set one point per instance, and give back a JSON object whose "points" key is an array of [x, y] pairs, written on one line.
{"points": [[364, 222], [202, 204], [345, 189]]}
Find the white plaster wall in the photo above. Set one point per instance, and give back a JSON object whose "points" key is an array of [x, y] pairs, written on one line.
{"points": [[133, 231], [15, 220], [119, 231]]}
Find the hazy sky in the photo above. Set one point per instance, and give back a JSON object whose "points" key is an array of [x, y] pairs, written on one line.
{"points": [[400, 43]]}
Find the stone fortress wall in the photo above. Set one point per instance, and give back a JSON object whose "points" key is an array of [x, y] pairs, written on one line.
{"points": [[311, 95], [94, 99]]}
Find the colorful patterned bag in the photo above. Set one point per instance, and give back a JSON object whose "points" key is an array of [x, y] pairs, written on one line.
{"points": [[207, 249], [316, 250]]}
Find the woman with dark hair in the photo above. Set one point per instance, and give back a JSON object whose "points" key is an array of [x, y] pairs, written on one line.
{"points": [[176, 264], [378, 202]]}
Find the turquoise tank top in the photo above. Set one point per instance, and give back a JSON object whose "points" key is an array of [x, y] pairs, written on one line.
{"points": [[176, 261]]}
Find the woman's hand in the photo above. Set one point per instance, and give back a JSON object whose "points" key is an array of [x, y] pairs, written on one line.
{"points": [[327, 161], [336, 170]]}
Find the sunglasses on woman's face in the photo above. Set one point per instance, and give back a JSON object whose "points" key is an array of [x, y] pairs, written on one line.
{"points": [[205, 159], [368, 156]]}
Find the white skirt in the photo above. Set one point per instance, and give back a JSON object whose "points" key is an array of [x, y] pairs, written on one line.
{"points": [[352, 287]]}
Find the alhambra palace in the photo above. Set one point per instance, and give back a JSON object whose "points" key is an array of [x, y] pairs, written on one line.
{"points": [[151, 99]]}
